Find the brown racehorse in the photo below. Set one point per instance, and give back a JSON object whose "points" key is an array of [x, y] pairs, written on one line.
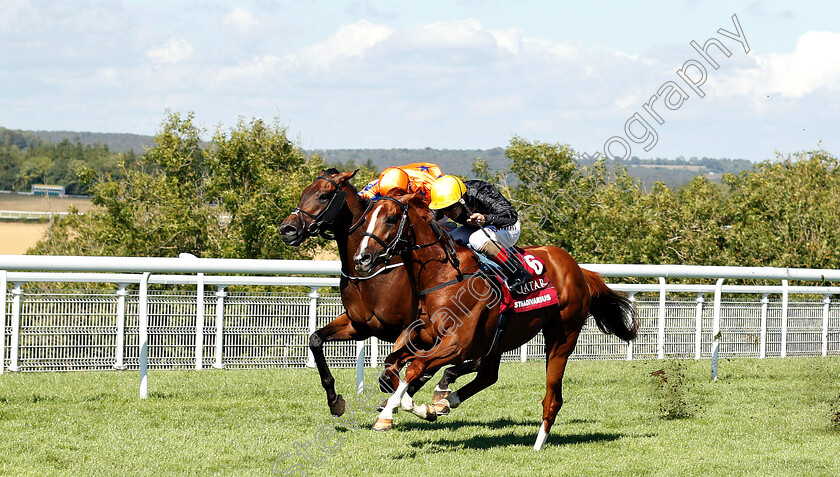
{"points": [[331, 204], [462, 318]]}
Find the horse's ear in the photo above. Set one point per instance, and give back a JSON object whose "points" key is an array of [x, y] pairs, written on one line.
{"points": [[346, 176], [403, 197]]}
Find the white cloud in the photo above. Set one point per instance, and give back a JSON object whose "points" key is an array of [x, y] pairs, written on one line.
{"points": [[240, 19], [174, 50], [815, 63], [351, 40], [469, 34]]}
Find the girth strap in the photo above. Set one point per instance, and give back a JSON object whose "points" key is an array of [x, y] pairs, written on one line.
{"points": [[500, 328], [460, 278]]}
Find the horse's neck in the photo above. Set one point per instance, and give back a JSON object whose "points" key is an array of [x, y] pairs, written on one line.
{"points": [[346, 240], [432, 265]]}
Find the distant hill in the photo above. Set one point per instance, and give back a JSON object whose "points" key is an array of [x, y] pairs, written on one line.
{"points": [[455, 161], [116, 142], [673, 172]]}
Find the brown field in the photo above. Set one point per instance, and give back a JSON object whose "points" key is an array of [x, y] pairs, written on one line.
{"points": [[17, 237], [42, 203]]}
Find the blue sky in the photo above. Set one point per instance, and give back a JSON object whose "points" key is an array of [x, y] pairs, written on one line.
{"points": [[459, 74]]}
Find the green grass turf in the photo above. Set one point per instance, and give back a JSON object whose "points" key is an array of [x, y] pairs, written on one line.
{"points": [[763, 417]]}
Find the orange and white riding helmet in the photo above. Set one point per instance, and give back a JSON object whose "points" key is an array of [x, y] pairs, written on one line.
{"points": [[393, 178], [446, 190]]}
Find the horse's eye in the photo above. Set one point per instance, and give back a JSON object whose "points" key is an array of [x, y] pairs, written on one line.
{"points": [[324, 197], [392, 219]]}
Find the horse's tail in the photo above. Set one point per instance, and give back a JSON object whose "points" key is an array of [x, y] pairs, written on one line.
{"points": [[613, 312]]}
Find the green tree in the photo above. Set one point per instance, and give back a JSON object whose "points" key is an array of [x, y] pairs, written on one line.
{"points": [[225, 198], [784, 213], [256, 175]]}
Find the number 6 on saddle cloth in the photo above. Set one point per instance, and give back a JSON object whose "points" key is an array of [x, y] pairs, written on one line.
{"points": [[535, 292]]}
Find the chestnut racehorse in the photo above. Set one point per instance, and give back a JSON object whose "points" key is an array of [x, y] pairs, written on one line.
{"points": [[331, 204], [461, 317]]}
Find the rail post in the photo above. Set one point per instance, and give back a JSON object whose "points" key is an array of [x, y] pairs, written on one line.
{"points": [[826, 308], [698, 324], [220, 322], [14, 344], [660, 325], [143, 338], [716, 328], [313, 322], [360, 366], [762, 352], [119, 353], [199, 321], [783, 351], [632, 297], [3, 284], [374, 351]]}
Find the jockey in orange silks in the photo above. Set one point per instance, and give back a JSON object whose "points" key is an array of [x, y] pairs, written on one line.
{"points": [[417, 177]]}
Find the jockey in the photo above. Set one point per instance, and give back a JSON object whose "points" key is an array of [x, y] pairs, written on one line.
{"points": [[417, 177], [489, 223]]}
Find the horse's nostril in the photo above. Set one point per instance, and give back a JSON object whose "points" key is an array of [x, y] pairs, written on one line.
{"points": [[288, 229]]}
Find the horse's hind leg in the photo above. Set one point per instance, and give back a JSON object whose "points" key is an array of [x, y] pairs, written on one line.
{"points": [[488, 373], [452, 373], [340, 329], [559, 344]]}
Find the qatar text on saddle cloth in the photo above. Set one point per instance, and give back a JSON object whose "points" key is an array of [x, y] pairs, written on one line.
{"points": [[542, 293]]}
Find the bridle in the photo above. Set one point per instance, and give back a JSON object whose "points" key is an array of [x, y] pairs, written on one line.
{"points": [[391, 249], [327, 216], [400, 245]]}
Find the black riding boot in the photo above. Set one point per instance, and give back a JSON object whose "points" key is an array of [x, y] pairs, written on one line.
{"points": [[516, 275]]}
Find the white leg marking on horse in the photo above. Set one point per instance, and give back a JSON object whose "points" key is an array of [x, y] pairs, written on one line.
{"points": [[541, 437], [407, 402], [438, 388], [419, 410], [371, 225], [393, 401]]}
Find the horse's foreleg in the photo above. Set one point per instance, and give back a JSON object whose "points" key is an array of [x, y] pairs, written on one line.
{"points": [[438, 357], [385, 419], [390, 382], [340, 329]]}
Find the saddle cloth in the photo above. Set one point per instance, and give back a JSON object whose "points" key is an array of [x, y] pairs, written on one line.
{"points": [[539, 292]]}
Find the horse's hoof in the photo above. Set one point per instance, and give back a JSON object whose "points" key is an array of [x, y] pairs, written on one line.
{"points": [[337, 408], [438, 395], [383, 424], [442, 407], [431, 414]]}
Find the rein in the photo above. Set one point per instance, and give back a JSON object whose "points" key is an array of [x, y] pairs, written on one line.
{"points": [[381, 269], [390, 249]]}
